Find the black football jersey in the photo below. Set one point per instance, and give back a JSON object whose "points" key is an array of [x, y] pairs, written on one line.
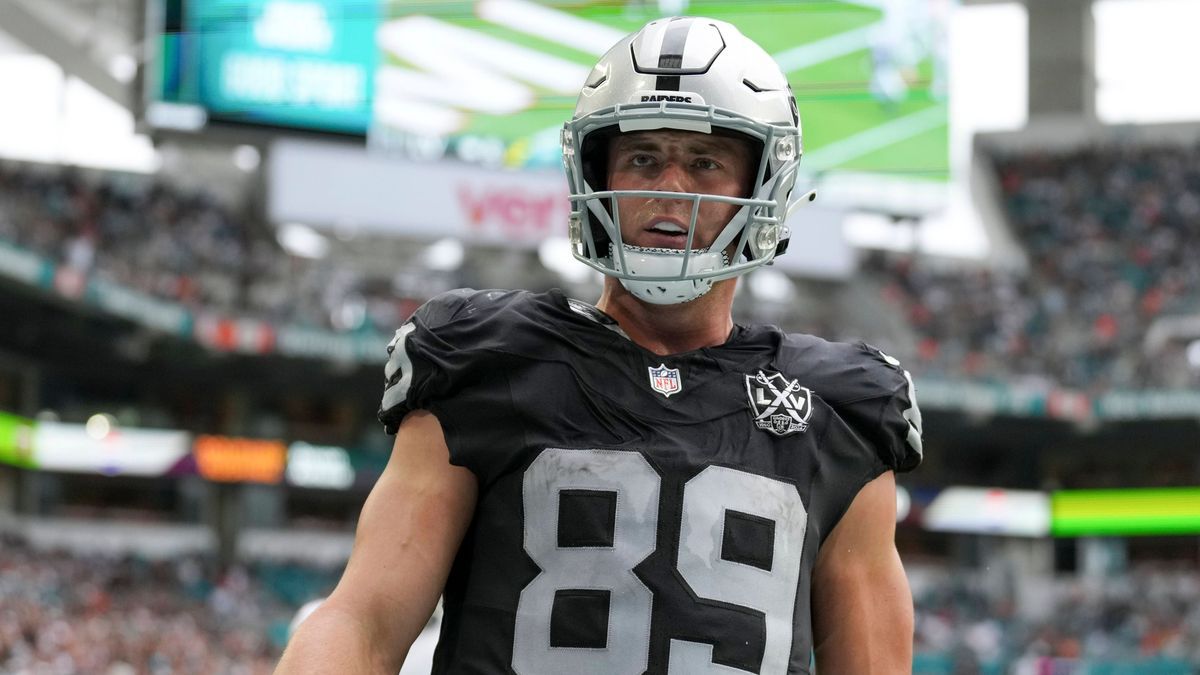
{"points": [[641, 513]]}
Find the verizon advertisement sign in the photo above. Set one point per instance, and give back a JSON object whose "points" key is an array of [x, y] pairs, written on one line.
{"points": [[340, 186]]}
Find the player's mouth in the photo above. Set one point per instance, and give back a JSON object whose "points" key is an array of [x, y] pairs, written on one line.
{"points": [[665, 233]]}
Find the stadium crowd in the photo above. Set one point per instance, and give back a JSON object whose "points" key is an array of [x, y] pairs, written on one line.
{"points": [[183, 247], [65, 613], [1112, 235], [1147, 619], [70, 613]]}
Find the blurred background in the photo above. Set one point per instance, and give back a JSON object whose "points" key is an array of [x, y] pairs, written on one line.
{"points": [[214, 213]]}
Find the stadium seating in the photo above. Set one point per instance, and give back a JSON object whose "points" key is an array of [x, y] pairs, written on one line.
{"points": [[69, 613], [183, 248], [1146, 621], [1111, 236]]}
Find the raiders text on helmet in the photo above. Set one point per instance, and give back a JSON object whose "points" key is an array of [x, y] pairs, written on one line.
{"points": [[691, 74], [673, 98]]}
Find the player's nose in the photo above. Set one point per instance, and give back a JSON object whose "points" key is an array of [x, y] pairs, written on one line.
{"points": [[673, 178]]}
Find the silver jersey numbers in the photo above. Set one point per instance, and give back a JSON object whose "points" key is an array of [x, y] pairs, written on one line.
{"points": [[621, 492]]}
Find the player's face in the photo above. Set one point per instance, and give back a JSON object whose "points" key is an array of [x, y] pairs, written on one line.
{"points": [[676, 161]]}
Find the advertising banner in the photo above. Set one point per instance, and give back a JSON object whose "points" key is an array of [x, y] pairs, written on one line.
{"points": [[1126, 511], [145, 309], [239, 460], [1023, 513], [310, 343], [327, 184], [16, 441], [136, 452], [319, 466], [25, 266]]}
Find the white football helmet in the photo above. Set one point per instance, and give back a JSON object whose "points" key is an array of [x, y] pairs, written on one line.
{"points": [[693, 74]]}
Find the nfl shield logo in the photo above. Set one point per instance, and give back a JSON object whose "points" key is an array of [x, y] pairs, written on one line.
{"points": [[781, 406], [665, 380]]}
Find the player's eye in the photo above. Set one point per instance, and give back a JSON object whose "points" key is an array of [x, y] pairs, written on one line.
{"points": [[706, 163], [641, 159]]}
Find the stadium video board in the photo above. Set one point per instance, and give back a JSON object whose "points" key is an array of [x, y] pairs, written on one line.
{"points": [[493, 80], [300, 65]]}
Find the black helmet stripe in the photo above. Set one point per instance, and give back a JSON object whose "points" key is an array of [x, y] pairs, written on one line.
{"points": [[671, 55]]}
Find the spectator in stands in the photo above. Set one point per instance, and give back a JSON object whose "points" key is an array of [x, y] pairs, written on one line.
{"points": [[69, 614], [1113, 236], [181, 247]]}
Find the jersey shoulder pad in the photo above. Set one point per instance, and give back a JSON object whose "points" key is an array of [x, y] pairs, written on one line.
{"points": [[440, 345], [869, 389], [465, 306]]}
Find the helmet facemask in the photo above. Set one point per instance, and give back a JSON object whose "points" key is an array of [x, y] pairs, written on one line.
{"points": [[622, 97], [753, 236]]}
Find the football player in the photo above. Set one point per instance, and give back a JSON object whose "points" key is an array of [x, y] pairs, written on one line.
{"points": [[639, 485]]}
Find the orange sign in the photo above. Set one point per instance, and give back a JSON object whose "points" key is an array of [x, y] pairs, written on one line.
{"points": [[234, 460]]}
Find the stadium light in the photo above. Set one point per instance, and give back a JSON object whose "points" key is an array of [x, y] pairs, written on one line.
{"points": [[444, 255], [246, 157], [771, 285], [1193, 354], [99, 426], [123, 67], [903, 503], [177, 116], [555, 255], [302, 241]]}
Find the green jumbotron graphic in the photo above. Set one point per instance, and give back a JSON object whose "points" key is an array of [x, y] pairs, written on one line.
{"points": [[496, 79], [870, 83], [1127, 511]]}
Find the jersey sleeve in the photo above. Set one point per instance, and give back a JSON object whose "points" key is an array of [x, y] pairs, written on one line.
{"points": [[424, 361], [869, 391], [454, 358], [890, 418]]}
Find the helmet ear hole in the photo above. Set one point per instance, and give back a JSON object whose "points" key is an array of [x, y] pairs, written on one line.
{"points": [[594, 161], [594, 154]]}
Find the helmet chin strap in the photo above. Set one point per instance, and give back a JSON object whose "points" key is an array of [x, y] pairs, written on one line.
{"points": [[665, 262]]}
